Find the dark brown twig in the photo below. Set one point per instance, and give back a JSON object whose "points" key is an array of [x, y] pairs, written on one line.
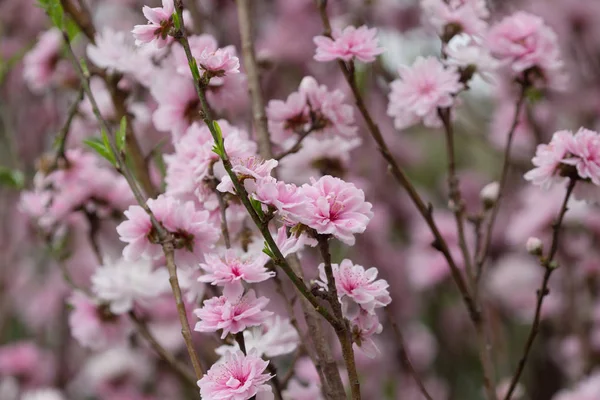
{"points": [[548, 264], [61, 139]]}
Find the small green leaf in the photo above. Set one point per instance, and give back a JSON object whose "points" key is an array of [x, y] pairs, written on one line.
{"points": [[12, 178], [268, 251], [257, 205], [84, 67], [122, 134], [99, 146], [194, 69], [176, 21]]}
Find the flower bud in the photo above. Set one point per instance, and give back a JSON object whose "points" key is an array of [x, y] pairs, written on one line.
{"points": [[534, 246], [489, 194]]}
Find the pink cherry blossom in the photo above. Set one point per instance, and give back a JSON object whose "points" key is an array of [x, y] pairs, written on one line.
{"points": [[313, 107], [178, 104], [192, 229], [523, 42], [221, 62], [231, 315], [584, 154], [40, 62], [348, 43], [586, 389], [288, 199], [26, 361], [355, 286], [198, 45], [235, 377], [231, 270], [549, 158], [93, 325], [364, 327], [293, 243], [456, 16], [422, 88], [121, 284], [249, 171], [160, 22], [335, 208]]}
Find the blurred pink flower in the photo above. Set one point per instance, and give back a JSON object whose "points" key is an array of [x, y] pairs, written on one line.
{"points": [[178, 104], [422, 88], [160, 22], [523, 42], [231, 315], [221, 62], [348, 43], [235, 377], [40, 62], [364, 327], [456, 16], [27, 362], [231, 270], [93, 325]]}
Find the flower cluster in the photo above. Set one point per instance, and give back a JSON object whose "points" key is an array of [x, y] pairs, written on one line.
{"points": [[456, 16], [349, 43]]}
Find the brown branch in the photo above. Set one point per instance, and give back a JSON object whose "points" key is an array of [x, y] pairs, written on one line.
{"points": [[344, 334], [458, 209], [549, 266], [481, 257], [181, 370], [61, 139], [407, 363], [165, 237], [297, 146], [426, 211], [258, 103], [82, 18]]}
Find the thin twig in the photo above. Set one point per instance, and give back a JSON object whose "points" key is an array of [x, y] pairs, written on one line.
{"points": [[548, 264], [165, 237], [344, 334], [458, 209], [297, 146], [481, 257], [426, 211], [61, 139], [258, 104], [169, 358], [407, 363]]}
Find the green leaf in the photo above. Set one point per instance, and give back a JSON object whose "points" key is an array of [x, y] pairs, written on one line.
{"points": [[12, 178], [176, 21], [84, 67], [122, 134], [257, 205], [194, 69], [268, 251], [99, 146]]}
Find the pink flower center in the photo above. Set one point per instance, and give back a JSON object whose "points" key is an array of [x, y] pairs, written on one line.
{"points": [[426, 88]]}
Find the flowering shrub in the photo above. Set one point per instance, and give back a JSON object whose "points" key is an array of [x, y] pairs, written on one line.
{"points": [[300, 200]]}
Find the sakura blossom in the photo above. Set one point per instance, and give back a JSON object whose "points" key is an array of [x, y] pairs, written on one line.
{"points": [[232, 315], [194, 233], [249, 171], [41, 61], [235, 376], [122, 283], [230, 271], [357, 287], [421, 90], [349, 43], [335, 208], [160, 21], [219, 62], [456, 16]]}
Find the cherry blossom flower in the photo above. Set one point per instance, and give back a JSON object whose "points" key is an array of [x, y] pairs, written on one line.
{"points": [[27, 362], [335, 208], [41, 61], [160, 22], [364, 327], [198, 45], [313, 107], [523, 42], [229, 271], [193, 231], [465, 52], [93, 325], [293, 243], [348, 43], [235, 377], [123, 283], [276, 337], [422, 88], [220, 62], [549, 158], [178, 104], [231, 315], [288, 199], [249, 171], [357, 289], [456, 16], [584, 155]]}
